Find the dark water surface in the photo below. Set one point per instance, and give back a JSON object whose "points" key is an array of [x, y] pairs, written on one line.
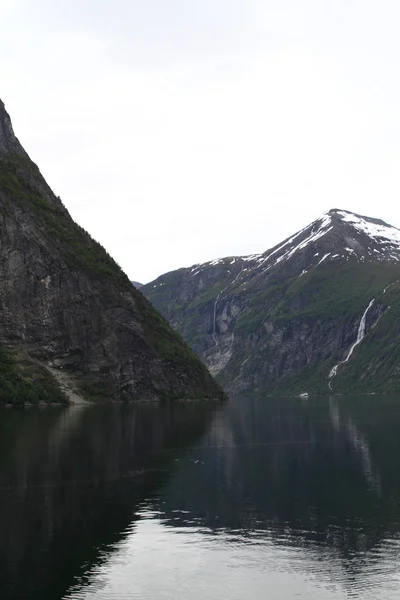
{"points": [[261, 498]]}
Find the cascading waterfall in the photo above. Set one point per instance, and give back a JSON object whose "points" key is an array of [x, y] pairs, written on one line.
{"points": [[361, 330], [214, 335], [360, 337]]}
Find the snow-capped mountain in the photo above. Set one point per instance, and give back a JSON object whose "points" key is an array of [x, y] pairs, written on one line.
{"points": [[283, 319], [344, 235]]}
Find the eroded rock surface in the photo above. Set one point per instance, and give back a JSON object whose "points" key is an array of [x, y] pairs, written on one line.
{"points": [[65, 305]]}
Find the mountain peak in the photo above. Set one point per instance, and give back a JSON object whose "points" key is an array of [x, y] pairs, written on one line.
{"points": [[9, 144], [356, 219], [377, 236], [337, 234], [286, 320]]}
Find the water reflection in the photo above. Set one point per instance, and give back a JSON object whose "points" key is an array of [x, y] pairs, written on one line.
{"points": [[284, 498], [320, 475], [70, 480]]}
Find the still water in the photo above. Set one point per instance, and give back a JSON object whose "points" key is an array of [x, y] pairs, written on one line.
{"points": [[260, 498]]}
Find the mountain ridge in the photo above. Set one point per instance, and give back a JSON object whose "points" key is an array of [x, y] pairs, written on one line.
{"points": [[279, 321], [71, 323]]}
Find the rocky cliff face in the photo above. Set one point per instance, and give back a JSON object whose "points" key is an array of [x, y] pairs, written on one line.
{"points": [[8, 142], [71, 323], [282, 321]]}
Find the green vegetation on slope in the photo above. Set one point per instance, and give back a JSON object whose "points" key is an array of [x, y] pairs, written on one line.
{"points": [[291, 330], [79, 250], [375, 364], [21, 184], [22, 381], [170, 346]]}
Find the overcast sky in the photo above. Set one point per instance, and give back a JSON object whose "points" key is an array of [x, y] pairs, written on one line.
{"points": [[178, 131]]}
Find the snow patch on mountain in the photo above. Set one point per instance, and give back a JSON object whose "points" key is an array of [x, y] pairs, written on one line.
{"points": [[381, 233], [322, 259], [217, 261], [310, 239], [360, 238], [318, 229]]}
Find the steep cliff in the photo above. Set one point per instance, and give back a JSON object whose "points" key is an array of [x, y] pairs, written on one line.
{"points": [[72, 326], [319, 312]]}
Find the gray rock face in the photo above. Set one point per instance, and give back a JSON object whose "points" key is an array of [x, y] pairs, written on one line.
{"points": [[280, 321], [66, 306], [8, 142]]}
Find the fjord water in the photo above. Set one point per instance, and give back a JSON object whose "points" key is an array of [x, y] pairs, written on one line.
{"points": [[278, 498]]}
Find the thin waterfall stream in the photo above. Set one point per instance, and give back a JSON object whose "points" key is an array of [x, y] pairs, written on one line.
{"points": [[360, 337], [214, 335]]}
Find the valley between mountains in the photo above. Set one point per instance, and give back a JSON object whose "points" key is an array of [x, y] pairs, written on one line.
{"points": [[318, 313]]}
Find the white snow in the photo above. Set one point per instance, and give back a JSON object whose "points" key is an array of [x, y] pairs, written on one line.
{"points": [[386, 236], [195, 269], [379, 233], [289, 241], [310, 239], [251, 257], [322, 259], [323, 227]]}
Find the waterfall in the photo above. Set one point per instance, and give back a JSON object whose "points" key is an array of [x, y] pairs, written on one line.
{"points": [[214, 335], [361, 331], [360, 337]]}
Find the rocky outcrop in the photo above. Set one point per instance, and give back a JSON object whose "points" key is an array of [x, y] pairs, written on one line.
{"points": [[8, 142], [278, 322], [65, 305]]}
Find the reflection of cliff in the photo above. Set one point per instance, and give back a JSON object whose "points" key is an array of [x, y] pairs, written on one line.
{"points": [[297, 472], [70, 480], [348, 427]]}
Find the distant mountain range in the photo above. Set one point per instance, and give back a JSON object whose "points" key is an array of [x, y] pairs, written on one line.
{"points": [[318, 313]]}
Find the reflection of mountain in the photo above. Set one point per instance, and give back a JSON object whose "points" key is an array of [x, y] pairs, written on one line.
{"points": [[317, 474], [70, 481]]}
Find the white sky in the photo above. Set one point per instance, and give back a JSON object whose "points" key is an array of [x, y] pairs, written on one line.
{"points": [[177, 131]]}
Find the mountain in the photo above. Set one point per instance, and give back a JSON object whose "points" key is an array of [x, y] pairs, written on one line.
{"points": [[72, 326], [319, 312], [136, 284]]}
